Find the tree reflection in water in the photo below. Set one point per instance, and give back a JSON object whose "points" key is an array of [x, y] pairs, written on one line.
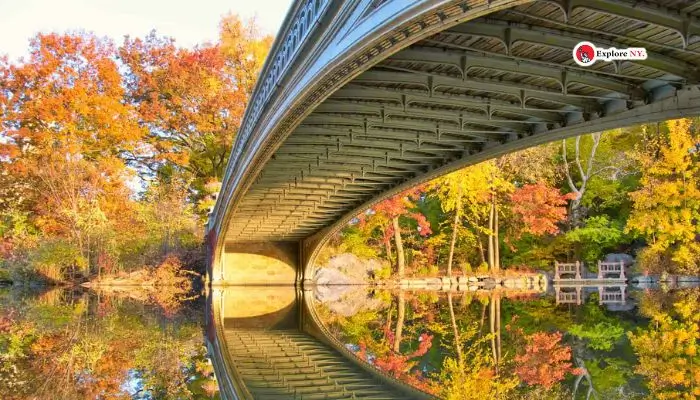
{"points": [[63, 344], [530, 348]]}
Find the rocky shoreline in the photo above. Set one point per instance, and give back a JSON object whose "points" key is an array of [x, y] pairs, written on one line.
{"points": [[525, 281]]}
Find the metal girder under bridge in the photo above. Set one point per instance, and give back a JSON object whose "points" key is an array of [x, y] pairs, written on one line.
{"points": [[360, 99]]}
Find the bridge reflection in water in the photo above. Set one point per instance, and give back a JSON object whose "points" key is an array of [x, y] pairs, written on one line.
{"points": [[572, 293], [267, 343]]}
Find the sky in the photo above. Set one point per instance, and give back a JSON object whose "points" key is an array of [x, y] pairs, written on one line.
{"points": [[189, 21]]}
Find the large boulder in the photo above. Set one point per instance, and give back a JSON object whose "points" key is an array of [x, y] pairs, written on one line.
{"points": [[355, 270], [346, 300], [330, 276], [617, 257]]}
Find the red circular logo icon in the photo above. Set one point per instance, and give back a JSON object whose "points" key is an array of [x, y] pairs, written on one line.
{"points": [[584, 53]]}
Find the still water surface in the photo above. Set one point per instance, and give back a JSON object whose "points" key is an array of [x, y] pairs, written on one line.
{"points": [[501, 345], [61, 344]]}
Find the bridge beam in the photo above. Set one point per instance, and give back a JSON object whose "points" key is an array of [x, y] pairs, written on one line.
{"points": [[364, 100]]}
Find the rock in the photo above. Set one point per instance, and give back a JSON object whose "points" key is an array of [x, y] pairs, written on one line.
{"points": [[434, 282], [346, 300], [328, 276], [419, 283], [646, 285], [330, 294], [489, 283], [473, 279], [617, 257], [643, 278], [473, 288], [356, 269], [687, 284], [684, 278]]}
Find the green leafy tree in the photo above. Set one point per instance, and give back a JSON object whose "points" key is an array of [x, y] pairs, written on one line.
{"points": [[597, 236], [601, 336]]}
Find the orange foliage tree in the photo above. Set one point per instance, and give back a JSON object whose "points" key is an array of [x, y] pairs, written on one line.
{"points": [[401, 366], [64, 127], [544, 360], [79, 118], [538, 208], [192, 100], [386, 216]]}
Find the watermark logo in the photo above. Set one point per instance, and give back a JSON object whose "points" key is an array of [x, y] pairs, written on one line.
{"points": [[586, 54]]}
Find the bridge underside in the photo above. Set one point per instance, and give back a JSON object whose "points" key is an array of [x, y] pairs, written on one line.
{"points": [[267, 344], [475, 90]]}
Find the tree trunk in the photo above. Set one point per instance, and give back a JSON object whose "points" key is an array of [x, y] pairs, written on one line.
{"points": [[498, 326], [400, 261], [495, 328], [490, 244], [576, 215], [455, 331], [496, 241], [483, 317], [492, 331], [455, 224], [389, 256], [389, 315], [480, 244], [399, 322]]}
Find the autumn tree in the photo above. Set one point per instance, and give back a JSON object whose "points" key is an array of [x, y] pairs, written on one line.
{"points": [[451, 190], [488, 191], [191, 100], [64, 126], [544, 360], [244, 49], [475, 379], [386, 216], [584, 174], [667, 349], [537, 209], [667, 206]]}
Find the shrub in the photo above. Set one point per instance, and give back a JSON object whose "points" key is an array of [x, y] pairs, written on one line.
{"points": [[54, 260], [482, 268], [383, 273], [467, 268]]}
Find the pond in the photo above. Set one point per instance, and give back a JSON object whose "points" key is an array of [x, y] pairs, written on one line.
{"points": [[71, 344], [495, 345], [354, 342]]}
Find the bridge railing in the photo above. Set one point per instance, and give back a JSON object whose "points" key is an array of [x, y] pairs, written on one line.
{"points": [[295, 31], [605, 268], [567, 268], [611, 295]]}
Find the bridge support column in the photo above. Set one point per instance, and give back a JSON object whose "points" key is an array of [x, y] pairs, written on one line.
{"points": [[258, 264]]}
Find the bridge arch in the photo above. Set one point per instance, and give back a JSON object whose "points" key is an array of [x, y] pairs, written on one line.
{"points": [[377, 96]]}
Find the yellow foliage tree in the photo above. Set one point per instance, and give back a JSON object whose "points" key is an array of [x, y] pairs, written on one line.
{"points": [[667, 206], [668, 358], [476, 379]]}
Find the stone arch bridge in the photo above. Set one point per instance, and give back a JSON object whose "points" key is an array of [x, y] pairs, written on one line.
{"points": [[360, 99]]}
